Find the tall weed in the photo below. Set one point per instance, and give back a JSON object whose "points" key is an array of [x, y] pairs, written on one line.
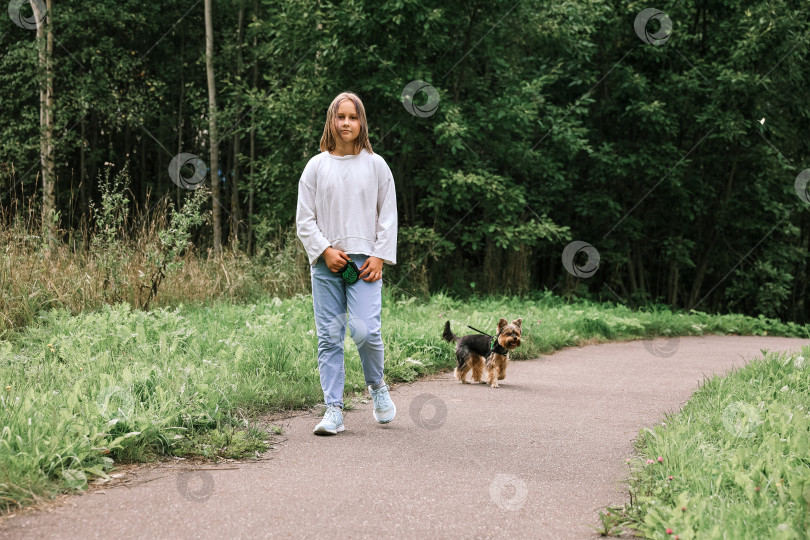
{"points": [[145, 258]]}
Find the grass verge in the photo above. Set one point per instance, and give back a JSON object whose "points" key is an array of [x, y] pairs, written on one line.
{"points": [[733, 463], [82, 392]]}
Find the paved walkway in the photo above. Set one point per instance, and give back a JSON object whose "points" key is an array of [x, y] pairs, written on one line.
{"points": [[535, 458]]}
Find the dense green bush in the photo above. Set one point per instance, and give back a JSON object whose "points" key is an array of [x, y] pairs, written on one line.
{"points": [[555, 122]]}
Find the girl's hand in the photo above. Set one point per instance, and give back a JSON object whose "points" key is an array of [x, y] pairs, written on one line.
{"points": [[334, 259], [372, 269]]}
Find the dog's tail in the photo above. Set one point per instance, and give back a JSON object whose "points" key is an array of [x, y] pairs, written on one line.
{"points": [[448, 335]]}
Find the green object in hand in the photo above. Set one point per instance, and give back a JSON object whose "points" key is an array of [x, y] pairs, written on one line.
{"points": [[350, 272]]}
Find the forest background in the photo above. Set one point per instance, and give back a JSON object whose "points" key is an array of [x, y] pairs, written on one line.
{"points": [[512, 129]]}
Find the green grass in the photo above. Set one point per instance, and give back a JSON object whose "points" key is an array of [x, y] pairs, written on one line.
{"points": [[734, 463], [79, 393]]}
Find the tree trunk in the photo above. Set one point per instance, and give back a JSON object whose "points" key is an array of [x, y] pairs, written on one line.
{"points": [[235, 217], [631, 273], [518, 274], [95, 154], [642, 285], [144, 175], [84, 201], [491, 271], [45, 42], [252, 139], [127, 144], [180, 116], [672, 285], [212, 130], [799, 304], [708, 252]]}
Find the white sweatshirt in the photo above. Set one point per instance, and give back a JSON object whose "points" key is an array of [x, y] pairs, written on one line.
{"points": [[349, 203]]}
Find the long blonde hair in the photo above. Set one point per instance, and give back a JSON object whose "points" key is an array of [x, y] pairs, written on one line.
{"points": [[330, 134]]}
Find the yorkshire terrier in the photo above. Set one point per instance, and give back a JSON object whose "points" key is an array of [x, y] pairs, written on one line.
{"points": [[475, 351]]}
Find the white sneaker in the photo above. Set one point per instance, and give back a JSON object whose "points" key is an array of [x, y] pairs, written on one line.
{"points": [[332, 422], [384, 408]]}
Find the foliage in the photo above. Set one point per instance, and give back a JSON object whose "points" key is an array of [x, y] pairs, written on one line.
{"points": [[734, 462], [556, 122], [165, 256], [111, 236]]}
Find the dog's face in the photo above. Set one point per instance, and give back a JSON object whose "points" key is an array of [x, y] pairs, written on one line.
{"points": [[509, 334]]}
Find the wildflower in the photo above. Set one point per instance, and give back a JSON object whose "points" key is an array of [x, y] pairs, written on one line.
{"points": [[660, 459], [756, 488], [627, 460], [683, 509], [669, 477], [669, 531], [8, 387], [650, 461]]}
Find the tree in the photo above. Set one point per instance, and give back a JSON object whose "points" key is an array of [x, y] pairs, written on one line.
{"points": [[237, 135], [46, 111], [212, 130]]}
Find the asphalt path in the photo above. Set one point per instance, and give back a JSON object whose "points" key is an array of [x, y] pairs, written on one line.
{"points": [[536, 458]]}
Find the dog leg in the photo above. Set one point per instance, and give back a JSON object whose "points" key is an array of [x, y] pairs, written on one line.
{"points": [[477, 369], [493, 375], [461, 372]]}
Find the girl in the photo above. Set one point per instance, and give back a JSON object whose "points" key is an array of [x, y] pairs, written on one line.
{"points": [[347, 211]]}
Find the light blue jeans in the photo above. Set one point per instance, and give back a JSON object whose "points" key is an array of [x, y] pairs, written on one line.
{"points": [[331, 297]]}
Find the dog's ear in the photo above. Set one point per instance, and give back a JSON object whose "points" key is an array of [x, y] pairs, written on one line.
{"points": [[501, 324], [517, 322]]}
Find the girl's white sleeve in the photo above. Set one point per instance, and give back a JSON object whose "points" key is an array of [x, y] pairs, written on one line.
{"points": [[385, 246], [306, 217]]}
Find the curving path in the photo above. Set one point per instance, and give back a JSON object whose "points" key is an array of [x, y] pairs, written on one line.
{"points": [[535, 458]]}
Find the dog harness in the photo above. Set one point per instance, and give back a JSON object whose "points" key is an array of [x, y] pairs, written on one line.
{"points": [[497, 348], [494, 346]]}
